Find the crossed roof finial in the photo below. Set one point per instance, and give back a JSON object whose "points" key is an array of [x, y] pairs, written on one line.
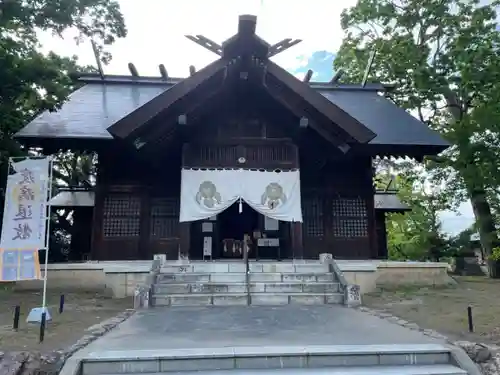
{"points": [[246, 27]]}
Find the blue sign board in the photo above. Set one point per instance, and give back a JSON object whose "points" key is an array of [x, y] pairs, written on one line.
{"points": [[17, 265]]}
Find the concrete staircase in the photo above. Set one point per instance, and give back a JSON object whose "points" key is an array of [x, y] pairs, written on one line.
{"points": [[226, 283], [428, 359]]}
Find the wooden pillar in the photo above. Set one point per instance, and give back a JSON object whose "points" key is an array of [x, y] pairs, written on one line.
{"points": [[81, 238], [185, 239], [372, 219], [372, 228], [328, 224], [144, 239], [97, 248], [382, 251], [297, 240]]}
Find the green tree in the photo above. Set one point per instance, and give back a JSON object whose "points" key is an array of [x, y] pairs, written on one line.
{"points": [[71, 170], [462, 242], [417, 234], [32, 81], [444, 58]]}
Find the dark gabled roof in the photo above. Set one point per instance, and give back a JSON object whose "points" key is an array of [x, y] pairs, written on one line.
{"points": [[155, 80], [143, 114], [346, 122], [389, 202], [93, 108], [243, 58], [90, 110], [392, 124]]}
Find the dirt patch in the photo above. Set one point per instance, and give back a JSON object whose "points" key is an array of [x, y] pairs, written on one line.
{"points": [[444, 309], [81, 311]]}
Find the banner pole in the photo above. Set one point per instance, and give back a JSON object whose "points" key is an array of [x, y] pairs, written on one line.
{"points": [[47, 234]]}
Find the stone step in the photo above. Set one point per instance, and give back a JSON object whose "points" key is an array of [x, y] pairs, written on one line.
{"points": [[341, 370], [290, 277], [274, 299], [240, 277], [230, 267], [254, 287], [232, 299], [426, 359], [271, 299]]}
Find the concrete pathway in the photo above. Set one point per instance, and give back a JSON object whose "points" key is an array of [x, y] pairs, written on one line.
{"points": [[154, 332], [220, 326]]}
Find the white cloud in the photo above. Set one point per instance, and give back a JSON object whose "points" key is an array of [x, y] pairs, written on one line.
{"points": [[157, 29]]}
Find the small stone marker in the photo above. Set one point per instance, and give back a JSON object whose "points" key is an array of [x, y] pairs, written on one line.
{"points": [[35, 315]]}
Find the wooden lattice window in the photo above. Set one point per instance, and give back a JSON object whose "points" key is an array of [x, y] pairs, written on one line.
{"points": [[122, 216], [270, 153], [350, 218], [164, 221], [313, 217], [211, 154]]}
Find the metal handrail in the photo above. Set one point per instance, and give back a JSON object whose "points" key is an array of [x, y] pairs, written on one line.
{"points": [[247, 271]]}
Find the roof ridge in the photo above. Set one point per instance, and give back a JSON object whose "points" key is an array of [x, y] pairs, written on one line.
{"points": [[155, 80]]}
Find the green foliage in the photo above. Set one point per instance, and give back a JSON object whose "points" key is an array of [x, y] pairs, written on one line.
{"points": [[461, 243], [71, 170], [444, 58], [417, 235], [31, 81], [495, 255]]}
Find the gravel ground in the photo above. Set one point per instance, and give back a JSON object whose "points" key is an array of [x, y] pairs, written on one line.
{"points": [[81, 311], [445, 309]]}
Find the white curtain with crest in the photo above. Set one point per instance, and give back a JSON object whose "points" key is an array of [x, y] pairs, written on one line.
{"points": [[205, 193], [273, 194]]}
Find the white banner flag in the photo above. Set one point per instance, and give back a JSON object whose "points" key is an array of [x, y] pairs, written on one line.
{"points": [[25, 216]]}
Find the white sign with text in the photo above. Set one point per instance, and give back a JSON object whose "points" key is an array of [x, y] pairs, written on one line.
{"points": [[25, 216]]}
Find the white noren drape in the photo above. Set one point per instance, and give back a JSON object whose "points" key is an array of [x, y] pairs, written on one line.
{"points": [[205, 193]]}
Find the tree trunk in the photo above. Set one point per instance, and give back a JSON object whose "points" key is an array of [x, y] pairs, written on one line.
{"points": [[484, 218], [475, 189]]}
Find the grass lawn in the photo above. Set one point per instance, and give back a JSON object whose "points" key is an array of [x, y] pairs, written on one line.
{"points": [[81, 310], [445, 309]]}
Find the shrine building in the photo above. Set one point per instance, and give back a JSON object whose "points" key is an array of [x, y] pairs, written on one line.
{"points": [[240, 152]]}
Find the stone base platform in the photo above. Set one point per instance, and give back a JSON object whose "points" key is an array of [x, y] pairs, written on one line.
{"points": [[122, 277]]}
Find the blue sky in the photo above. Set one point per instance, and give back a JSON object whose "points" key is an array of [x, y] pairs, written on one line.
{"points": [[320, 62], [157, 29]]}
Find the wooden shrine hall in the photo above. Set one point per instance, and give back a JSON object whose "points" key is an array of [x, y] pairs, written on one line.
{"points": [[240, 153]]}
